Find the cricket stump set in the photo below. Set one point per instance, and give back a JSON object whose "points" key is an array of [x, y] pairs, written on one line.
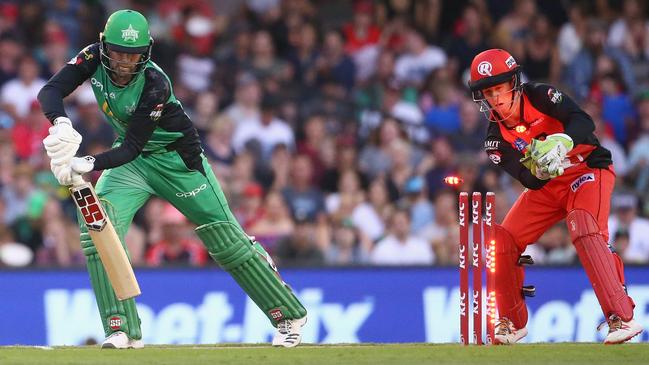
{"points": [[483, 258]]}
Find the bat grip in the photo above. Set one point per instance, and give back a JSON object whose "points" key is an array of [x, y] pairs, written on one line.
{"points": [[77, 179]]}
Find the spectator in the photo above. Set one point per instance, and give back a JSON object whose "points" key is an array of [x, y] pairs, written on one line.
{"points": [[314, 134], [275, 222], [18, 94], [469, 39], [349, 246], [442, 233], [28, 134], [302, 247], [217, 146], [303, 199], [90, 123], [268, 132], [400, 247], [579, 74], [625, 219], [572, 33], [420, 59], [247, 98], [416, 200], [12, 253], [207, 104], [250, 210], [177, 245], [469, 138], [638, 161], [304, 56], [333, 64], [362, 37]]}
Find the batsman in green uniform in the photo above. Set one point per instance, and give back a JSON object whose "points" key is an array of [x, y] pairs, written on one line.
{"points": [[157, 152]]}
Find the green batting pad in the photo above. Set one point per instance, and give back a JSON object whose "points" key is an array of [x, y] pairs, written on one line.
{"points": [[115, 315], [253, 269]]}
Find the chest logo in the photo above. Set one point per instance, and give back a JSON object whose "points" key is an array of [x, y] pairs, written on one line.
{"points": [[582, 180], [520, 144], [129, 34], [484, 68]]}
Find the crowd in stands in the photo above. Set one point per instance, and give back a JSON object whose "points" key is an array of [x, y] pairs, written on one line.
{"points": [[330, 124]]}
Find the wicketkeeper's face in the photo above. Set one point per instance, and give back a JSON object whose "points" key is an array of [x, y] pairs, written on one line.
{"points": [[500, 97]]}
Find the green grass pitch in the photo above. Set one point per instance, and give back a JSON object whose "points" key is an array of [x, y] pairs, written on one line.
{"points": [[371, 354]]}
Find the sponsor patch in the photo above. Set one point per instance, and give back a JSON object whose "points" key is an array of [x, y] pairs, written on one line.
{"points": [[491, 145], [495, 157], [276, 314], [555, 96], [115, 323], [510, 62], [582, 180], [484, 68], [520, 144], [156, 113]]}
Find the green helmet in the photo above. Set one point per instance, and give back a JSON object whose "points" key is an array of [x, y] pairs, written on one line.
{"points": [[126, 31]]}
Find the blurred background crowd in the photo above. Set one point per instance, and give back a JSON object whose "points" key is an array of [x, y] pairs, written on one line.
{"points": [[330, 124]]}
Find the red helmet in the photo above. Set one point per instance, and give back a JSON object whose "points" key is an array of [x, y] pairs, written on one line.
{"points": [[490, 68]]}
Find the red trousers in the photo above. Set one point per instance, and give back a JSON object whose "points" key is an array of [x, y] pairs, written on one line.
{"points": [[580, 187], [583, 194]]}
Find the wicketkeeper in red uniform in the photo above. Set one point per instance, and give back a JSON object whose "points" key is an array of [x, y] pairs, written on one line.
{"points": [[542, 138]]}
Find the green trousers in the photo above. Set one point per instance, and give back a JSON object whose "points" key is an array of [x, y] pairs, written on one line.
{"points": [[125, 189]]}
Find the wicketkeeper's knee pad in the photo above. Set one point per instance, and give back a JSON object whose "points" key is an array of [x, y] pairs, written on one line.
{"points": [[253, 269], [603, 267], [510, 277], [115, 315]]}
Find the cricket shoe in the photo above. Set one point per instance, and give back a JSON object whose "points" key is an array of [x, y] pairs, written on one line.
{"points": [[506, 334], [289, 332], [620, 331], [119, 340]]}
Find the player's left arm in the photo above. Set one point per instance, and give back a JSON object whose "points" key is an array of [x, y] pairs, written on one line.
{"points": [[577, 124], [141, 125]]}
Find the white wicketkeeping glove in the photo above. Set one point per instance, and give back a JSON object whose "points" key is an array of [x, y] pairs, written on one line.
{"points": [[63, 141], [66, 173]]}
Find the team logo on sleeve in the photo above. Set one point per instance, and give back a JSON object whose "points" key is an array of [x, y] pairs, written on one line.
{"points": [[156, 113], [555, 96], [495, 157]]}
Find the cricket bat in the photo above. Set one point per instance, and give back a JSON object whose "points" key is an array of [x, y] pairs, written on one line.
{"points": [[101, 230]]}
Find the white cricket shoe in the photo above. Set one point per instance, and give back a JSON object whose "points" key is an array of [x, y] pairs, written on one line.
{"points": [[506, 334], [620, 331], [289, 332], [119, 340]]}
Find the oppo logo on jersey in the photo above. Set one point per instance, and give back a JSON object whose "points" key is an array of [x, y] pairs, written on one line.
{"points": [[189, 194], [100, 86]]}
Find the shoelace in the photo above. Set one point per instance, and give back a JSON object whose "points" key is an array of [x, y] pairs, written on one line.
{"points": [[614, 323], [502, 327], [284, 327]]}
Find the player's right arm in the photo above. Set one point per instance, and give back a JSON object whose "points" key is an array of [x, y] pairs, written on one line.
{"points": [[66, 80], [63, 141], [502, 153]]}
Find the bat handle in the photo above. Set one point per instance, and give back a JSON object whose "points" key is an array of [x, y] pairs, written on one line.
{"points": [[77, 179]]}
